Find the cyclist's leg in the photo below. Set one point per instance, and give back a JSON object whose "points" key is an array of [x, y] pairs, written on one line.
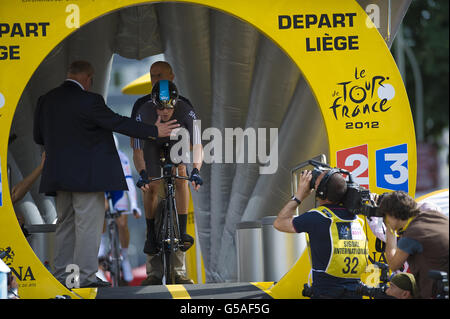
{"points": [[154, 264], [124, 237], [121, 204], [182, 192], [150, 204], [182, 202], [124, 233]]}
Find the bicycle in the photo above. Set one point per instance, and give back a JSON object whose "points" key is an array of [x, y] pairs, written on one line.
{"points": [[113, 259], [168, 234]]}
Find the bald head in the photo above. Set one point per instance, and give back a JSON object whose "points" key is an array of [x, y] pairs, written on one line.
{"points": [[161, 70]]}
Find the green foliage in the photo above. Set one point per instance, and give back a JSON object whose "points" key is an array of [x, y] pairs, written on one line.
{"points": [[426, 31]]}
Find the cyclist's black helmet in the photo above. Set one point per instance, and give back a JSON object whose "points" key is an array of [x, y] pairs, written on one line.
{"points": [[164, 94]]}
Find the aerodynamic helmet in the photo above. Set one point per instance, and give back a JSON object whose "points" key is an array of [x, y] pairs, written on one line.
{"points": [[164, 94]]}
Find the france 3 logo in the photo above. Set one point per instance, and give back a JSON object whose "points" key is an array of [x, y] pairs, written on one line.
{"points": [[391, 166]]}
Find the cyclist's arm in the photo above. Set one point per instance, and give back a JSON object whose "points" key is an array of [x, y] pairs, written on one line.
{"points": [[138, 160], [139, 164], [130, 183], [198, 156], [196, 138]]}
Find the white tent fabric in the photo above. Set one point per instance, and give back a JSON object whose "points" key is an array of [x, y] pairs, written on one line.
{"points": [[233, 75]]}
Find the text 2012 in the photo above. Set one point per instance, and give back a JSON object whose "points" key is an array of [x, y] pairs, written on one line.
{"points": [[362, 125]]}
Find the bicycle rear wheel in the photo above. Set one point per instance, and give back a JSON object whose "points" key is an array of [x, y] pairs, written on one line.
{"points": [[169, 273], [115, 254], [172, 241]]}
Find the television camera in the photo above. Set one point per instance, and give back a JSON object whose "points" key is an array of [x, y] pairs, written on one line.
{"points": [[357, 199]]}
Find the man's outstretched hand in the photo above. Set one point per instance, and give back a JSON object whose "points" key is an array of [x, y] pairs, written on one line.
{"points": [[164, 129]]}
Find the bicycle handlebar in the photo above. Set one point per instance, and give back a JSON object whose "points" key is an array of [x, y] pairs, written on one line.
{"points": [[168, 176], [168, 167]]}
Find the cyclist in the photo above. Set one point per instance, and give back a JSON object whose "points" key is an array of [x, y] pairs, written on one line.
{"points": [[124, 202], [147, 162]]}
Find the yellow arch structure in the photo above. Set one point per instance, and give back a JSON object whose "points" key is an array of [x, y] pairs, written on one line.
{"points": [[342, 56]]}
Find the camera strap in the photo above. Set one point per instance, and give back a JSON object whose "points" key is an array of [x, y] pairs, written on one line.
{"points": [[403, 229]]}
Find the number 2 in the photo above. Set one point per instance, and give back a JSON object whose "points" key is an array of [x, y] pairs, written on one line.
{"points": [[359, 170]]}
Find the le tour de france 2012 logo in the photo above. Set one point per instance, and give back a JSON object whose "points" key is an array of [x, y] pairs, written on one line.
{"points": [[363, 94]]}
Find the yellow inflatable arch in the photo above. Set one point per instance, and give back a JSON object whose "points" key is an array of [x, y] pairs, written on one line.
{"points": [[340, 53]]}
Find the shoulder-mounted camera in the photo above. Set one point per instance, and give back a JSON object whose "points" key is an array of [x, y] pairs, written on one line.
{"points": [[357, 199]]}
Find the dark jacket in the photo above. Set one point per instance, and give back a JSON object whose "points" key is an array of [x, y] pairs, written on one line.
{"points": [[75, 127]]}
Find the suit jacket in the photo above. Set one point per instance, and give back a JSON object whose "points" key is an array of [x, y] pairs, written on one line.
{"points": [[75, 127]]}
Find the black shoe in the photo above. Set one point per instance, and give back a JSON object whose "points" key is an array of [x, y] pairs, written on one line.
{"points": [[98, 284], [187, 241]]}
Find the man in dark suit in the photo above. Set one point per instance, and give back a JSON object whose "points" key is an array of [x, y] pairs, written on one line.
{"points": [[75, 127]]}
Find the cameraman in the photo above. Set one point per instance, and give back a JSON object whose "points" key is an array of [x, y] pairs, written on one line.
{"points": [[337, 240], [423, 239]]}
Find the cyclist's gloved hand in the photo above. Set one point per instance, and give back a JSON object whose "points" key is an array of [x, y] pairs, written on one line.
{"points": [[143, 180], [136, 212], [195, 178]]}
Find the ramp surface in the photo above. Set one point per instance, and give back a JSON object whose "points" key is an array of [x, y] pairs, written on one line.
{"points": [[197, 291]]}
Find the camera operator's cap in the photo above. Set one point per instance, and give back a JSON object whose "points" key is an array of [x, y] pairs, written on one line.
{"points": [[406, 281]]}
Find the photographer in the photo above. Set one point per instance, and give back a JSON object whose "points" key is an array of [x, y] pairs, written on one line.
{"points": [[423, 239], [338, 246]]}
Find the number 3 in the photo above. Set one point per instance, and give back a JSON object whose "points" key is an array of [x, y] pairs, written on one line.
{"points": [[399, 159]]}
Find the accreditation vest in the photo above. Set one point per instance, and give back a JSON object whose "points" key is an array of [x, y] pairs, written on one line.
{"points": [[349, 248]]}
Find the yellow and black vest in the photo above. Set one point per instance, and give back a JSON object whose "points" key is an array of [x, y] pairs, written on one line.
{"points": [[349, 251]]}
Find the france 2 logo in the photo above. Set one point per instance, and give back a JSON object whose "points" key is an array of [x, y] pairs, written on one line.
{"points": [[356, 161], [392, 167]]}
